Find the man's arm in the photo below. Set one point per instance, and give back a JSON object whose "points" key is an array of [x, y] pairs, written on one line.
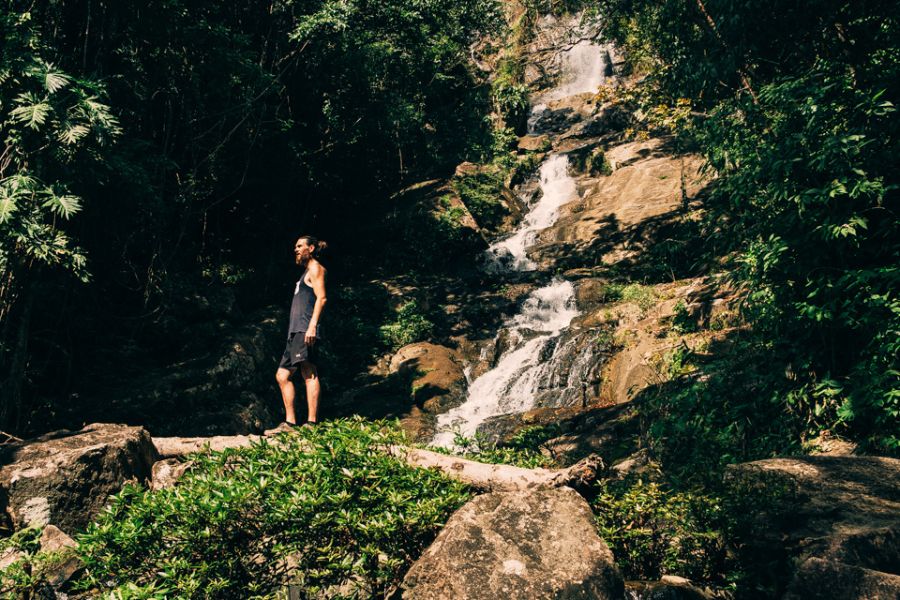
{"points": [[317, 279]]}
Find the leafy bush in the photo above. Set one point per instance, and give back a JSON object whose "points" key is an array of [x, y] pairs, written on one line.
{"points": [[654, 532], [721, 409], [27, 577], [410, 326], [481, 194], [642, 295], [598, 164], [322, 506], [522, 450], [802, 135], [682, 321]]}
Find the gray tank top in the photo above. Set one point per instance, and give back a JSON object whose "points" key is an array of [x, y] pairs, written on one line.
{"points": [[302, 306]]}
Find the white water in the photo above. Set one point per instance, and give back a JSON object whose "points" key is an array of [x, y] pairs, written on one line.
{"points": [[510, 387], [558, 188], [583, 68]]}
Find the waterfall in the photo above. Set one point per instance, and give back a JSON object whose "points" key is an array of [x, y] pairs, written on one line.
{"points": [[558, 188], [533, 344], [511, 386], [584, 70]]}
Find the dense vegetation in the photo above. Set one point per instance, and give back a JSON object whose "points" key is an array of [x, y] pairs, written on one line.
{"points": [[795, 109], [326, 510], [163, 149]]}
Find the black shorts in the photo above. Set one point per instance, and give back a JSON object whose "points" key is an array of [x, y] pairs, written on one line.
{"points": [[296, 351]]}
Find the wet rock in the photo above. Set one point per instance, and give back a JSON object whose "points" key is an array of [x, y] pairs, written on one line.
{"points": [[844, 513], [221, 383], [575, 432], [592, 292], [536, 544], [555, 120], [638, 463], [611, 118], [10, 556], [65, 477], [469, 168], [669, 588]]}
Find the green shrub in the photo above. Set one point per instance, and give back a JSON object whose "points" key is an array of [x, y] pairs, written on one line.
{"points": [[642, 295], [682, 321], [481, 193], [410, 326], [653, 532], [328, 500], [598, 164], [522, 450]]}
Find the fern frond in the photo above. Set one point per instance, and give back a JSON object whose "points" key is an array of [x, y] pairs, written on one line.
{"points": [[32, 111]]}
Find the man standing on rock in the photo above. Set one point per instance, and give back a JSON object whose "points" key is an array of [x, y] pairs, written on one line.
{"points": [[303, 332]]}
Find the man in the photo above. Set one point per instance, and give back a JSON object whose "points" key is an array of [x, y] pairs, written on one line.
{"points": [[303, 332]]}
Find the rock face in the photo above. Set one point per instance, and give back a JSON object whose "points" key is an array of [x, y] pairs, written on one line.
{"points": [[64, 477], [844, 525], [537, 544], [68, 563], [437, 382]]}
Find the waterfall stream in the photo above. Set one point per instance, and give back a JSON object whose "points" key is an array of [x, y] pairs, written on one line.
{"points": [[521, 371]]}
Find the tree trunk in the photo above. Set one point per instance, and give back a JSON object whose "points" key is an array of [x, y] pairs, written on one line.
{"points": [[482, 476]]}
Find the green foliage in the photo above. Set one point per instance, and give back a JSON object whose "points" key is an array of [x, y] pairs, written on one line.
{"points": [[328, 500], [234, 124], [642, 295], [723, 408], [481, 193], [653, 531], [524, 449], [682, 320], [795, 111], [598, 164], [409, 326], [27, 577], [50, 123]]}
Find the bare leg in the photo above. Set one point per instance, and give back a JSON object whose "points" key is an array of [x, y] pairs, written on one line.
{"points": [[311, 378], [283, 377]]}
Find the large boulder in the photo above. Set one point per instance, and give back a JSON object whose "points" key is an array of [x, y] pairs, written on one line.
{"points": [[843, 528], [536, 544], [437, 383], [65, 477], [819, 579]]}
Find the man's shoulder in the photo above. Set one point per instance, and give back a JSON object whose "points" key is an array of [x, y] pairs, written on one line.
{"points": [[315, 267]]}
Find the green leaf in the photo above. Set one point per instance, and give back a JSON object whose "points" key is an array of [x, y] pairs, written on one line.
{"points": [[32, 112], [54, 80], [64, 205]]}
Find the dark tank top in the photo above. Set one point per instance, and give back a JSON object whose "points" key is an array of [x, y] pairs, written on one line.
{"points": [[302, 306]]}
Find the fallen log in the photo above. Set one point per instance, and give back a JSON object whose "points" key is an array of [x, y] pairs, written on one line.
{"points": [[178, 447], [490, 477], [486, 477]]}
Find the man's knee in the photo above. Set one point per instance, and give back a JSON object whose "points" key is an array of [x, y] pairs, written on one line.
{"points": [[308, 370], [283, 376]]}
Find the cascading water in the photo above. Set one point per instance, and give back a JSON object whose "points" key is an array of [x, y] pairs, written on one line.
{"points": [[512, 384], [522, 372], [558, 188], [584, 70]]}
